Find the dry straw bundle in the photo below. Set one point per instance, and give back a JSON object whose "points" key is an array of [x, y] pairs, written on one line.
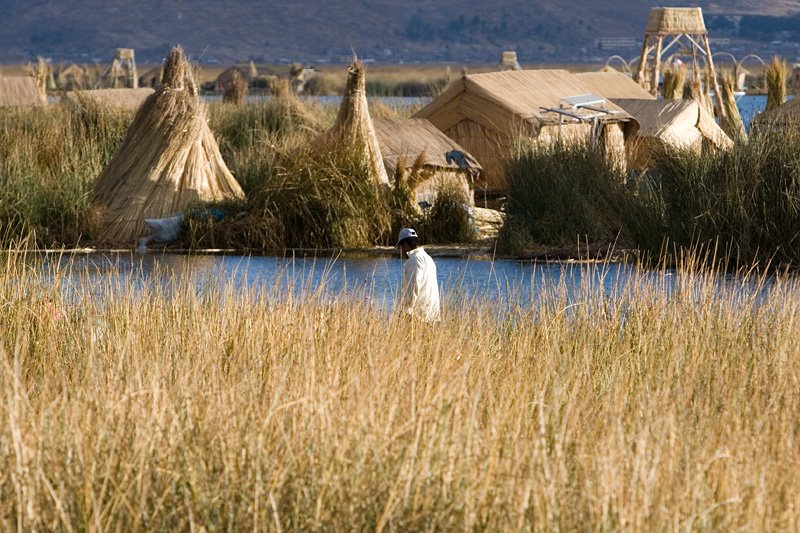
{"points": [[353, 126], [776, 75], [674, 82], [236, 90], [731, 121], [168, 160]]}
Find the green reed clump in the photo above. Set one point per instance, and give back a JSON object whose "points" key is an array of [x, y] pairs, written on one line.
{"points": [[48, 161], [239, 127], [321, 85], [558, 194], [250, 136], [321, 198], [387, 87], [449, 219], [747, 199]]}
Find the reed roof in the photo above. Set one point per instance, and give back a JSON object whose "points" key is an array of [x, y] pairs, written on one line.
{"points": [[405, 140], [117, 99], [503, 100], [20, 91], [612, 84], [168, 160], [677, 123], [676, 20]]}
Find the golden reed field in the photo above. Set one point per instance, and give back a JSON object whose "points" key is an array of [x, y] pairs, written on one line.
{"points": [[230, 408]]}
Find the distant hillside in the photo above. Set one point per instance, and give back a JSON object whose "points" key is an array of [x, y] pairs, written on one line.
{"points": [[384, 30]]}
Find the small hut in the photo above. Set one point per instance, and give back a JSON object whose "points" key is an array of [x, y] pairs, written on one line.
{"points": [[151, 77], [353, 126], [72, 78], [115, 99], [20, 91], [444, 162], [226, 78], [681, 124], [489, 113], [249, 73], [168, 160]]}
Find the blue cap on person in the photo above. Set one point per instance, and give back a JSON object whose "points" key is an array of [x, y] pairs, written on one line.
{"points": [[405, 233]]}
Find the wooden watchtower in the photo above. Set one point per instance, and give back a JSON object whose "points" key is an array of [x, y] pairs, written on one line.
{"points": [[123, 69], [679, 26]]}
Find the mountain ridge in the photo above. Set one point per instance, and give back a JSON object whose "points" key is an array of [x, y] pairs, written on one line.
{"points": [[387, 31]]}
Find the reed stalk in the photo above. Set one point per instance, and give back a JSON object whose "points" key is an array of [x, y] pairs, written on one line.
{"points": [[776, 75]]}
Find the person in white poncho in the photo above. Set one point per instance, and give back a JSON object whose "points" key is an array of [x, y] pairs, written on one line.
{"points": [[420, 297]]}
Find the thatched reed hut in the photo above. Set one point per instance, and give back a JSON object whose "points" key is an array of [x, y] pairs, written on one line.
{"points": [[249, 73], [674, 123], [681, 124], [489, 114], [73, 77], [20, 91], [168, 160], [416, 145], [353, 128], [151, 77], [115, 99]]}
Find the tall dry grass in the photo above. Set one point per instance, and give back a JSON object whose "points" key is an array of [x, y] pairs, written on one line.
{"points": [[231, 409], [49, 158]]}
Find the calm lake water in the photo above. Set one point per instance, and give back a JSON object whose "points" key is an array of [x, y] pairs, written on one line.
{"points": [[506, 283]]}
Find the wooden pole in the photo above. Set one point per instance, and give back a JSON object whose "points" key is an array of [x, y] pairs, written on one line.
{"points": [[640, 75], [713, 75], [657, 68]]}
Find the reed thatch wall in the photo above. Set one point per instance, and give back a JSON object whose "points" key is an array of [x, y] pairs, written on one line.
{"points": [[20, 91], [168, 160], [488, 114]]}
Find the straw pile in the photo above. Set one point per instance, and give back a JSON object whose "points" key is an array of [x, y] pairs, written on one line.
{"points": [[776, 74], [20, 91], [168, 160], [353, 127]]}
